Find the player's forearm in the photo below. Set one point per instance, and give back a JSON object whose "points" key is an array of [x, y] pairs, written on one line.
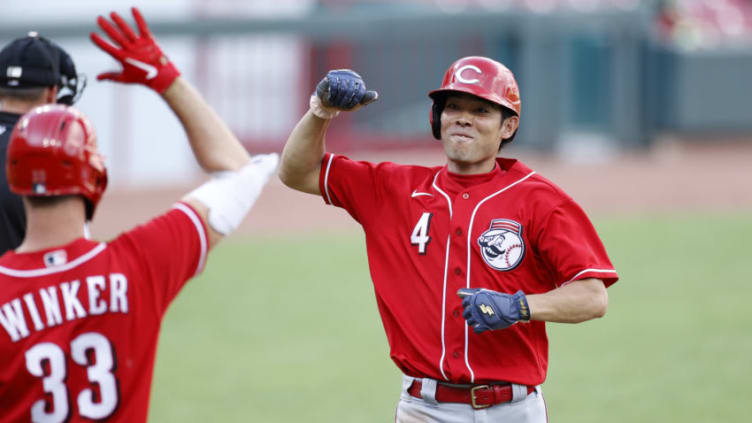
{"points": [[216, 148], [301, 158], [575, 302], [203, 213]]}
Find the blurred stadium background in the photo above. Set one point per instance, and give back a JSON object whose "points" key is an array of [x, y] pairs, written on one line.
{"points": [[641, 110], [597, 76], [600, 79]]}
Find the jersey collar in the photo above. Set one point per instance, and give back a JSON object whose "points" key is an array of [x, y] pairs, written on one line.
{"points": [[504, 170], [50, 260]]}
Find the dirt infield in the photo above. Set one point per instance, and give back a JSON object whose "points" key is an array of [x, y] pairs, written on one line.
{"points": [[673, 176]]}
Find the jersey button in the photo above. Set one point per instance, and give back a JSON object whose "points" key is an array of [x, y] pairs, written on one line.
{"points": [[457, 271], [456, 354], [456, 313], [465, 195], [458, 231]]}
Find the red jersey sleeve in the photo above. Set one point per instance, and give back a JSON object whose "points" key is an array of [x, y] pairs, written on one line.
{"points": [[356, 186], [572, 248], [170, 250]]}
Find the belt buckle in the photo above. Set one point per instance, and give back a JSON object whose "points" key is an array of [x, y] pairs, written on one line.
{"points": [[472, 397]]}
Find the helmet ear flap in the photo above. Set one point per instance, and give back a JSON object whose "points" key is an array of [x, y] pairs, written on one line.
{"points": [[436, 109]]}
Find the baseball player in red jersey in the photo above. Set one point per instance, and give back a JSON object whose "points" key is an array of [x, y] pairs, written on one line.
{"points": [[79, 319], [468, 260]]}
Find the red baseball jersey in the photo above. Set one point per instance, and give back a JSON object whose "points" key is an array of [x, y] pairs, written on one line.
{"points": [[79, 323], [430, 232]]}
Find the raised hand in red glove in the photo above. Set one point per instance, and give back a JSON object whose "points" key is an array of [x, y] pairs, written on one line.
{"points": [[142, 59]]}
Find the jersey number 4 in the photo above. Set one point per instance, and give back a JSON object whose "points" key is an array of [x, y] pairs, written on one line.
{"points": [[420, 236], [47, 361]]}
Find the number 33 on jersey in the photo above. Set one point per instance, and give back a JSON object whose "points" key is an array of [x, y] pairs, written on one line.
{"points": [[79, 323], [91, 351]]}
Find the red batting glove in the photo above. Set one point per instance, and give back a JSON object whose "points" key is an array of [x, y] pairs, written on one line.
{"points": [[142, 59]]}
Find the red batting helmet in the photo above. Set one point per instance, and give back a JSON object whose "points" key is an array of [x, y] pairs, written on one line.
{"points": [[481, 77], [53, 151]]}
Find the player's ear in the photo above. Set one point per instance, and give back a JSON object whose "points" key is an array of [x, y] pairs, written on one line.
{"points": [[50, 94], [509, 126]]}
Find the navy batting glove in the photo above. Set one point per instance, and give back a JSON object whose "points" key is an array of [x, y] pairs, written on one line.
{"points": [[490, 310], [343, 89]]}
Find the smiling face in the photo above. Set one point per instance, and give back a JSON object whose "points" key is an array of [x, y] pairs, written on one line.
{"points": [[471, 132]]}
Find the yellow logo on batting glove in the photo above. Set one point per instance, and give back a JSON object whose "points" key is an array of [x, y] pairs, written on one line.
{"points": [[486, 309]]}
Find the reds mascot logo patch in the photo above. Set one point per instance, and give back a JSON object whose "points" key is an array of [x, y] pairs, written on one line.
{"points": [[501, 245]]}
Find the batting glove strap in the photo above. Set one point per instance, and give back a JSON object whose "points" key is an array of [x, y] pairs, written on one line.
{"points": [[490, 310], [141, 58], [320, 110]]}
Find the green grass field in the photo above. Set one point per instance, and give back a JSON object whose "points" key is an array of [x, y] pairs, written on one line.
{"points": [[286, 330]]}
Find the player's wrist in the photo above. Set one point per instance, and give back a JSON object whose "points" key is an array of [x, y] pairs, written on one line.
{"points": [[321, 111], [166, 77], [174, 88], [521, 306]]}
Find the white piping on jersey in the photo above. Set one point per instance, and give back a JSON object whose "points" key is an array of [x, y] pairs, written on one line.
{"points": [[574, 278], [469, 233], [436, 187], [326, 179], [201, 234], [446, 268], [443, 310], [31, 273]]}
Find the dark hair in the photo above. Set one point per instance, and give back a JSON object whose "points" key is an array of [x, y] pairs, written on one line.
{"points": [[505, 114], [42, 201], [47, 201], [28, 94]]}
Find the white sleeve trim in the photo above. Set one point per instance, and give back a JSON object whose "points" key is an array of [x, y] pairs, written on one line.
{"points": [[575, 277], [326, 178], [201, 234]]}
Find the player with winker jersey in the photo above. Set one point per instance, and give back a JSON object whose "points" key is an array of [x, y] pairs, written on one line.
{"points": [[79, 319], [468, 260]]}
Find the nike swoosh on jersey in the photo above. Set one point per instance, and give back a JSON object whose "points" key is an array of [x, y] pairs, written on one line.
{"points": [[150, 70], [418, 194]]}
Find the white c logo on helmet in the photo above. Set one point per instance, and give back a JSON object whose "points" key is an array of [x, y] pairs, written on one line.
{"points": [[459, 77]]}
